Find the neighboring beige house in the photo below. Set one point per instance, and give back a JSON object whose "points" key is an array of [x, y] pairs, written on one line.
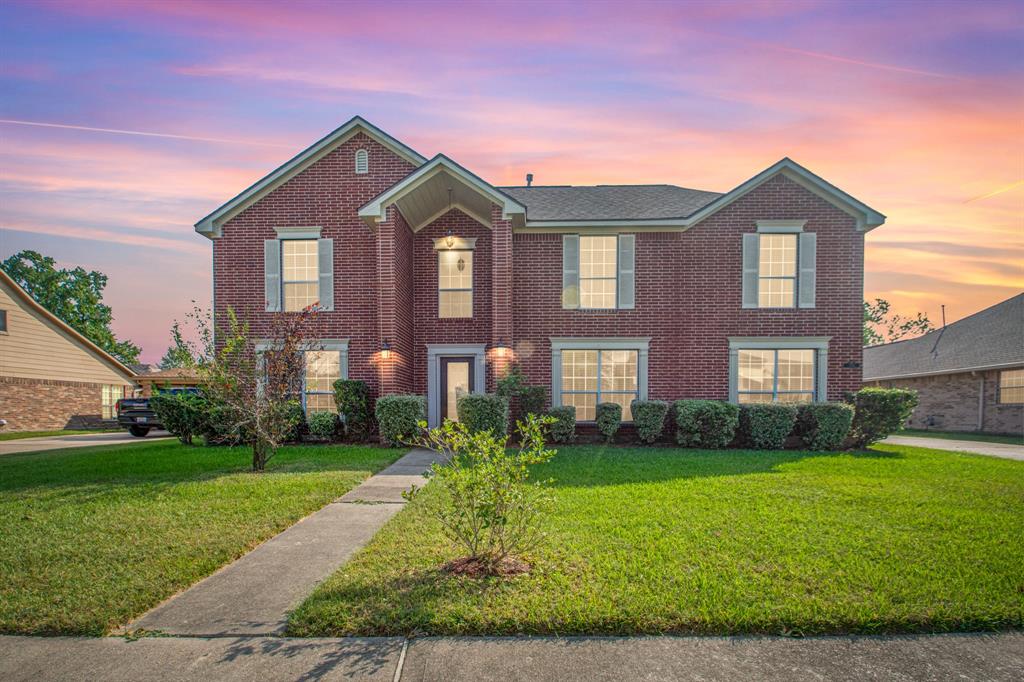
{"points": [[52, 377], [969, 376], [160, 379]]}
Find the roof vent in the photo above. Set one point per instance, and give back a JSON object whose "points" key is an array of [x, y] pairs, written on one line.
{"points": [[362, 162], [529, 179]]}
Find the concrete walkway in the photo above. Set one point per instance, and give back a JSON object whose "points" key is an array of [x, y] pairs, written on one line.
{"points": [[10, 447], [1003, 450], [989, 657], [253, 595]]}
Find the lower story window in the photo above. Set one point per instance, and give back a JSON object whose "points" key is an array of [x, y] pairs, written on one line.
{"points": [[1011, 386], [111, 394], [323, 368], [590, 377], [776, 376]]}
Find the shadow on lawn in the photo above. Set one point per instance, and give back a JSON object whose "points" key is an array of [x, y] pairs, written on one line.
{"points": [[601, 465]]}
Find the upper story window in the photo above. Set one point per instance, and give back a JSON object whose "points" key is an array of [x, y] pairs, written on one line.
{"points": [[776, 285], [598, 271], [300, 273], [779, 265], [362, 162], [1011, 386], [454, 283]]}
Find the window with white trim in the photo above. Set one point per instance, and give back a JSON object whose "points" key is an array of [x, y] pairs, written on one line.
{"points": [[323, 368], [590, 377], [362, 162], [300, 273], [777, 270], [776, 375], [454, 283], [1011, 386], [598, 271], [111, 393]]}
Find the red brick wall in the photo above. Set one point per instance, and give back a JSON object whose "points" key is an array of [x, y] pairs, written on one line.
{"points": [[328, 194], [396, 302], [46, 405], [688, 296]]}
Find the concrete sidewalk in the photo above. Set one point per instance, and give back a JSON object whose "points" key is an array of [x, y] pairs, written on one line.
{"points": [[11, 447], [1004, 450], [989, 657], [253, 595]]}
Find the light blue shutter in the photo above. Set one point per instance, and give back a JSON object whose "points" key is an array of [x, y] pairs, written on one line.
{"points": [[325, 248], [272, 274], [808, 266], [751, 261], [627, 271], [570, 271]]}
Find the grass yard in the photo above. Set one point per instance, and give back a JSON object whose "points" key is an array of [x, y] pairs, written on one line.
{"points": [[963, 435], [18, 435], [93, 537], [896, 539]]}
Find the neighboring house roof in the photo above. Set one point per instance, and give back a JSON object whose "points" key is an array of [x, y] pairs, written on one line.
{"points": [[33, 306], [186, 373], [610, 202], [989, 339]]}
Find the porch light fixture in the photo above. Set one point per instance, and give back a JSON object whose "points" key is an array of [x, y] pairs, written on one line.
{"points": [[501, 346], [385, 350], [449, 239]]}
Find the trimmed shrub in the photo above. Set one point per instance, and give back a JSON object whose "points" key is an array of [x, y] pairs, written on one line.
{"points": [[484, 412], [532, 400], [182, 414], [609, 419], [705, 423], [563, 429], [355, 407], [824, 426], [879, 412], [766, 426], [398, 417], [215, 428], [649, 419], [322, 424]]}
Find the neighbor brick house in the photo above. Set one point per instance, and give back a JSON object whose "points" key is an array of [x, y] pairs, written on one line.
{"points": [[431, 280], [969, 375], [52, 377]]}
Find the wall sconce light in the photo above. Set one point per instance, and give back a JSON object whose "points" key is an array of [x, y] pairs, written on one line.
{"points": [[851, 364], [501, 347], [449, 239], [385, 350]]}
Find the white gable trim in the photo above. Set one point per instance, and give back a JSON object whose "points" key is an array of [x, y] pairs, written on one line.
{"points": [[211, 224]]}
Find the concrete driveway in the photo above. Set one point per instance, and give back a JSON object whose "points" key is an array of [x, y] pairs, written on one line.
{"points": [[1003, 450], [10, 447]]}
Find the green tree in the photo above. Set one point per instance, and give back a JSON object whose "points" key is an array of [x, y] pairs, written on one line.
{"points": [[881, 326], [185, 353], [75, 296]]}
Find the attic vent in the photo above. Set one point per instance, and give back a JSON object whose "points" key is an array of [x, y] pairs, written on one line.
{"points": [[362, 162]]}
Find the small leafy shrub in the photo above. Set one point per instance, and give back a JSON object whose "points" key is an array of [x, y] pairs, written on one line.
{"points": [[484, 412], [487, 504], [322, 424], [180, 413], [879, 412], [705, 423], [526, 399], [294, 416], [563, 428], [355, 407], [649, 419], [216, 427], [512, 384], [398, 417], [532, 400], [609, 419], [766, 426], [824, 426]]}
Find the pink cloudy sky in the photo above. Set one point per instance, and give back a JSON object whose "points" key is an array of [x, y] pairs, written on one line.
{"points": [[165, 110]]}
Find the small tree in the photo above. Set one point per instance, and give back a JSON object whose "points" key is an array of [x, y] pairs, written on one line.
{"points": [[257, 387], [881, 327], [184, 352]]}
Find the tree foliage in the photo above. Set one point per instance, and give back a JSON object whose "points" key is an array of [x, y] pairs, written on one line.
{"points": [[184, 352], [881, 326], [75, 296]]}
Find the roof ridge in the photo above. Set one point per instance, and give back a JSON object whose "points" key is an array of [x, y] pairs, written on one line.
{"points": [[951, 324]]}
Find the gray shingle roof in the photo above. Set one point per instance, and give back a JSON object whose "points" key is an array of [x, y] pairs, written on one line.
{"points": [[610, 202], [990, 338]]}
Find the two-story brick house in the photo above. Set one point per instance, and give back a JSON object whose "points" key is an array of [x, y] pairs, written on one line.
{"points": [[431, 280]]}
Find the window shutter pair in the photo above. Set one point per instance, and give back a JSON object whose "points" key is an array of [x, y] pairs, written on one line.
{"points": [[626, 276], [272, 274], [807, 266]]}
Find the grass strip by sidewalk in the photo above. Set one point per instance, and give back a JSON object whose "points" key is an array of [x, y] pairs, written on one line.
{"points": [[19, 435], [963, 435]]}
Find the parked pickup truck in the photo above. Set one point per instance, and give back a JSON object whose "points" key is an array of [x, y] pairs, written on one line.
{"points": [[138, 417]]}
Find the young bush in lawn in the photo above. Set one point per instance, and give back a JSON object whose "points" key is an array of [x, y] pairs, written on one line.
{"points": [[484, 412], [322, 424], [355, 407], [488, 506], [705, 423], [398, 417], [649, 419], [879, 412], [182, 414], [609, 419], [766, 426], [824, 426], [563, 428]]}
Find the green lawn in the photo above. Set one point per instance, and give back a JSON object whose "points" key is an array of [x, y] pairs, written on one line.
{"points": [[92, 537], [964, 435], [18, 435], [896, 539]]}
